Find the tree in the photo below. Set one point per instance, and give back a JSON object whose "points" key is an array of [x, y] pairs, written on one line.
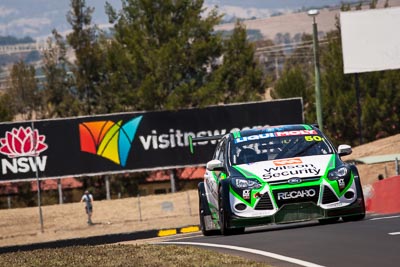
{"points": [[239, 78], [5, 111], [297, 78], [171, 58], [88, 68], [169, 51], [59, 96], [23, 91], [380, 112], [292, 84]]}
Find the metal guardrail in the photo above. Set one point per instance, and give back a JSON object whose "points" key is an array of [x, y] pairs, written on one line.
{"points": [[19, 48]]}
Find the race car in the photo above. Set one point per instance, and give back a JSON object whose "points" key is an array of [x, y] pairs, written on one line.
{"points": [[278, 174]]}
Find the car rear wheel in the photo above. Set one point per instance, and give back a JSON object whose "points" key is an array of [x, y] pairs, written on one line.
{"points": [[204, 211]]}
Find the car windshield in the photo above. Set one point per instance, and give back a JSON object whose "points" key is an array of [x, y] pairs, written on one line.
{"points": [[266, 146]]}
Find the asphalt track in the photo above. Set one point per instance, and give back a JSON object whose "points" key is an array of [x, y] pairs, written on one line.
{"points": [[374, 241]]}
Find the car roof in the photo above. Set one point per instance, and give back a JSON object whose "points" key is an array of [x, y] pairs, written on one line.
{"points": [[271, 129]]}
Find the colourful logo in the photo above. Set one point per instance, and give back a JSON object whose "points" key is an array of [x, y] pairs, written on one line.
{"points": [[283, 162], [109, 140], [22, 142]]}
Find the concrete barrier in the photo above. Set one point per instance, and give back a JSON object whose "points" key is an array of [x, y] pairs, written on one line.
{"points": [[384, 196]]}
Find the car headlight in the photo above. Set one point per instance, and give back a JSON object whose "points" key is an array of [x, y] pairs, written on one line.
{"points": [[243, 183], [338, 173]]}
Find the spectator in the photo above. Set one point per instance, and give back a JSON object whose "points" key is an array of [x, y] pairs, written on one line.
{"points": [[380, 177], [88, 198]]}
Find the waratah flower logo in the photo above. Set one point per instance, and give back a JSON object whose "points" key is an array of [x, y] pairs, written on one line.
{"points": [[22, 142]]}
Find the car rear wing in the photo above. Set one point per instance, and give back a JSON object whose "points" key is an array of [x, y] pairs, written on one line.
{"points": [[193, 140]]}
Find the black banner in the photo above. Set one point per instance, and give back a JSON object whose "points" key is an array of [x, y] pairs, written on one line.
{"points": [[127, 142]]}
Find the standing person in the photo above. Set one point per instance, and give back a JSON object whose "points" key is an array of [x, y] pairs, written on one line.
{"points": [[88, 198]]}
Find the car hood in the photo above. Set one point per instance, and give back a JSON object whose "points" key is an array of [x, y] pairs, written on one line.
{"points": [[283, 169]]}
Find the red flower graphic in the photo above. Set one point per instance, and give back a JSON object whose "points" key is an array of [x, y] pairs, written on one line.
{"points": [[22, 142]]}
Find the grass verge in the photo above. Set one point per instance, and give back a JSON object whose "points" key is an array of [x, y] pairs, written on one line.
{"points": [[125, 255]]}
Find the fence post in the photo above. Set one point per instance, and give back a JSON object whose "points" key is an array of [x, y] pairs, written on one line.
{"points": [[9, 201], [107, 181], [60, 192]]}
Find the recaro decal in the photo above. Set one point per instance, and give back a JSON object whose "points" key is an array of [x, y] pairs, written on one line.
{"points": [[297, 194]]}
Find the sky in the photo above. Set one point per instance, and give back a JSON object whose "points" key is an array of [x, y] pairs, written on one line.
{"points": [[37, 18]]}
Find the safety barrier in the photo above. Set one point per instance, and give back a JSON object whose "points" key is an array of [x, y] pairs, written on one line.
{"points": [[383, 196]]}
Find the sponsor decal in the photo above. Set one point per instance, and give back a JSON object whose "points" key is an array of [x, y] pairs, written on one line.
{"points": [[299, 132], [23, 147], [246, 194], [291, 170], [304, 193], [336, 204], [254, 137], [282, 162], [341, 183], [212, 185], [276, 134], [294, 181], [109, 140], [175, 138], [179, 138]]}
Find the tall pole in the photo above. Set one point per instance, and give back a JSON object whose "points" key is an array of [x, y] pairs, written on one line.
{"points": [[318, 104], [357, 85], [39, 197]]}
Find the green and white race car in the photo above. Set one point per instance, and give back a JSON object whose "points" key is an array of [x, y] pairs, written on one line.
{"points": [[279, 174]]}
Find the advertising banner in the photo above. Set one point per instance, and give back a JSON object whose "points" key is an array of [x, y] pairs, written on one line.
{"points": [[127, 142], [369, 40]]}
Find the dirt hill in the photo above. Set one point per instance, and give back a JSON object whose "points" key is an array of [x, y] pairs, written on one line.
{"points": [[369, 172], [295, 23]]}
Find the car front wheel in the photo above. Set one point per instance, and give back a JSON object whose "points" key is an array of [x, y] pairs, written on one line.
{"points": [[224, 212]]}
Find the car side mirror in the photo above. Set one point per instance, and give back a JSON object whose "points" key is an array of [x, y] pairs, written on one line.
{"points": [[344, 150], [214, 165]]}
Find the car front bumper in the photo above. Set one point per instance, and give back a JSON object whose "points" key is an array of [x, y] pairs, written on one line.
{"points": [[297, 212]]}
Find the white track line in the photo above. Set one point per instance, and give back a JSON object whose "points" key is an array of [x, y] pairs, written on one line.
{"points": [[249, 250], [394, 233], [384, 218]]}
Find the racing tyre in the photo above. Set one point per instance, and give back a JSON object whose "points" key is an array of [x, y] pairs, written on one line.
{"points": [[225, 211], [204, 211], [360, 195]]}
